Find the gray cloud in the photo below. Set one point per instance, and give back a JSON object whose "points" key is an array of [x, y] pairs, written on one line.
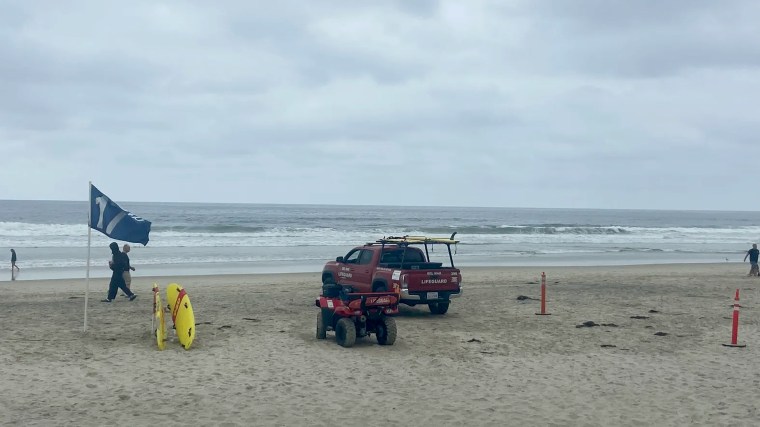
{"points": [[589, 103], [646, 38]]}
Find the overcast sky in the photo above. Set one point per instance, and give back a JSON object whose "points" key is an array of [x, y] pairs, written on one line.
{"points": [[535, 103]]}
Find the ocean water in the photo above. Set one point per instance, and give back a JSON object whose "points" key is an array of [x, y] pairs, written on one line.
{"points": [[51, 237]]}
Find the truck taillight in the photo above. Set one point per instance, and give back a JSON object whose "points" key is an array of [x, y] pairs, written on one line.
{"points": [[404, 282]]}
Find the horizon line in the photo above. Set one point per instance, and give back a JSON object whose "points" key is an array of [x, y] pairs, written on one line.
{"points": [[398, 205]]}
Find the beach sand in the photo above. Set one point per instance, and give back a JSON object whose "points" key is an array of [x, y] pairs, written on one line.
{"points": [[489, 361]]}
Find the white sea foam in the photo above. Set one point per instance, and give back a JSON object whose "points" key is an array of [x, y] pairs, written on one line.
{"points": [[65, 235]]}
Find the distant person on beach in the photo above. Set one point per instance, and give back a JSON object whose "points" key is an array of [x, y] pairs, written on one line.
{"points": [[127, 274], [14, 267], [753, 255], [119, 264]]}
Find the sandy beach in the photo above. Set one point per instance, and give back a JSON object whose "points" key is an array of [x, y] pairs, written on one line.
{"points": [[489, 361]]}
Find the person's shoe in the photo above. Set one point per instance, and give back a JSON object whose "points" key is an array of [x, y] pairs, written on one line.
{"points": [[106, 300], [132, 298]]}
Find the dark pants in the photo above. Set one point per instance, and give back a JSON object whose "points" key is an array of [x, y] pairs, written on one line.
{"points": [[117, 282]]}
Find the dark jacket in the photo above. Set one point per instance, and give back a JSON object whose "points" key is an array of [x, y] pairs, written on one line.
{"points": [[119, 260]]}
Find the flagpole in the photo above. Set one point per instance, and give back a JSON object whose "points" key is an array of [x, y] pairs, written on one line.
{"points": [[89, 239]]}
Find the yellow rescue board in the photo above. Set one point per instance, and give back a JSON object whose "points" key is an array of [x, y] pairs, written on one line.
{"points": [[172, 290], [182, 314], [159, 325]]}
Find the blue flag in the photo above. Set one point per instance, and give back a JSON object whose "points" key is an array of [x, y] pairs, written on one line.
{"points": [[113, 221]]}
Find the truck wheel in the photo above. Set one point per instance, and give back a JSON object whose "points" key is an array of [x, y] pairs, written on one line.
{"points": [[439, 307], [345, 332], [380, 287], [386, 331], [321, 329]]}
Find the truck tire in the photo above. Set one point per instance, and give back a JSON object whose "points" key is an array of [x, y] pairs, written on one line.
{"points": [[345, 332], [386, 331], [321, 328], [379, 287], [328, 278], [439, 307]]}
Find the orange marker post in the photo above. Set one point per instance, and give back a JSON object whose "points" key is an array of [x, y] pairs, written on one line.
{"points": [[735, 324], [543, 296]]}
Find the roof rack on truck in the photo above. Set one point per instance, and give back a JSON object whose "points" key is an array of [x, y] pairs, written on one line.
{"points": [[421, 240]]}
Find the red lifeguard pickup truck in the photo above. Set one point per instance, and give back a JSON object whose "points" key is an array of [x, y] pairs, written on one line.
{"points": [[399, 263]]}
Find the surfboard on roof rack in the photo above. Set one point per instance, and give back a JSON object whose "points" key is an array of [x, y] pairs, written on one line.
{"points": [[420, 239]]}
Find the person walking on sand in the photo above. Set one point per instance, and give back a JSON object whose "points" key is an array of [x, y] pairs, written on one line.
{"points": [[753, 255], [127, 274], [118, 265], [14, 267]]}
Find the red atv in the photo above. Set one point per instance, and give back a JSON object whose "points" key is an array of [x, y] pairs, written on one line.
{"points": [[353, 315]]}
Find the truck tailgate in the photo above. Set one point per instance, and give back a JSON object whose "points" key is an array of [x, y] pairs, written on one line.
{"points": [[432, 280]]}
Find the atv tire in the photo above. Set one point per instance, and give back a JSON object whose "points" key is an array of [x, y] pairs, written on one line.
{"points": [[321, 328], [386, 331], [345, 332]]}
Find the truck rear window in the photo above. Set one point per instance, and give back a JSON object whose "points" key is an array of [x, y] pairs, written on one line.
{"points": [[396, 256]]}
